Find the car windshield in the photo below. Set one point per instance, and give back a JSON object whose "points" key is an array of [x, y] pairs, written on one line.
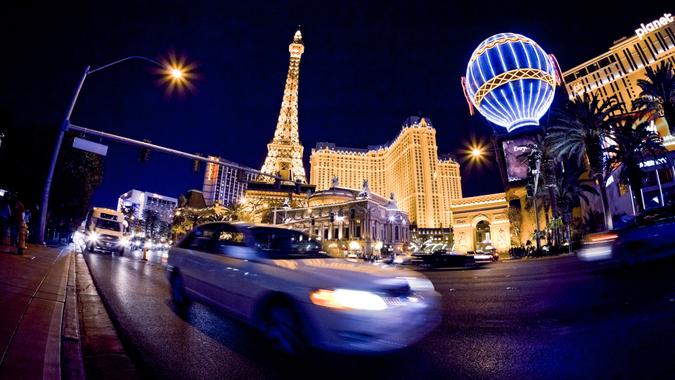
{"points": [[108, 225], [278, 243]]}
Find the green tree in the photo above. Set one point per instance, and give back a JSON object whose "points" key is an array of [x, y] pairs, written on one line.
{"points": [[580, 130], [658, 94], [569, 187], [633, 143], [77, 175]]}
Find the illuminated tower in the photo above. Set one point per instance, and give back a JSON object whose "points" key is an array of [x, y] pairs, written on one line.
{"points": [[284, 152]]}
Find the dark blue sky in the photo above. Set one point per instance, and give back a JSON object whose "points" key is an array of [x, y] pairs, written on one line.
{"points": [[366, 67]]}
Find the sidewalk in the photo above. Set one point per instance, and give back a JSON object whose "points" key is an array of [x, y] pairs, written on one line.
{"points": [[33, 293]]}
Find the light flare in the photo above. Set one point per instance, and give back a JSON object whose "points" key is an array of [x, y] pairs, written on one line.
{"points": [[177, 75]]}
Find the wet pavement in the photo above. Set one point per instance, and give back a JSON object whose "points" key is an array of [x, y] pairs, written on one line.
{"points": [[546, 318]]}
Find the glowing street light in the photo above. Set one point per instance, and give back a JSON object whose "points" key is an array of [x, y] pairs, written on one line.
{"points": [[476, 152], [175, 72]]}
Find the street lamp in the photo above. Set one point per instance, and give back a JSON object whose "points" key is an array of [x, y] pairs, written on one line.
{"points": [[174, 72]]}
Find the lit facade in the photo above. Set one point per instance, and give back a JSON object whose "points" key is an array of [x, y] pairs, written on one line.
{"points": [[481, 223], [409, 167], [614, 74], [350, 221], [140, 201], [224, 184]]}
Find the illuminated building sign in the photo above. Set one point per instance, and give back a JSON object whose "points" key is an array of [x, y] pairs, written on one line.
{"points": [[510, 80], [515, 155], [652, 26]]}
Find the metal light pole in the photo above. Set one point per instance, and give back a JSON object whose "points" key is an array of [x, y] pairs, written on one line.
{"points": [[536, 209], [62, 131]]}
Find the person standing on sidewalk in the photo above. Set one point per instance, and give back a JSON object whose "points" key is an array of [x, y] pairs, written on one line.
{"points": [[5, 216], [16, 221]]}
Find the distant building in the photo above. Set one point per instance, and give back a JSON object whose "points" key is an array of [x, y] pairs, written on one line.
{"points": [[140, 201], [482, 223], [224, 184], [615, 74], [424, 181], [350, 221]]}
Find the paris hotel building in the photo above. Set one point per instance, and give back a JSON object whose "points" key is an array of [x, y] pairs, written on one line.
{"points": [[423, 182]]}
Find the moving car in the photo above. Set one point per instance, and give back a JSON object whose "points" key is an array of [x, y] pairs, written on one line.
{"points": [[649, 236], [442, 259], [278, 281], [104, 230]]}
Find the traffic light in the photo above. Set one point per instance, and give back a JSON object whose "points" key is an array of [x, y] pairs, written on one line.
{"points": [[144, 154], [196, 164]]}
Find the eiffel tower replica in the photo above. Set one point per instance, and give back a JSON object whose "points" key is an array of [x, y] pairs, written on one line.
{"points": [[284, 152]]}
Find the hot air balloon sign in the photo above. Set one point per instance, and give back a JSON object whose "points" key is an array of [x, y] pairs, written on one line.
{"points": [[511, 81]]}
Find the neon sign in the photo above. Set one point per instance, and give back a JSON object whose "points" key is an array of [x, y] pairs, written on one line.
{"points": [[652, 26]]}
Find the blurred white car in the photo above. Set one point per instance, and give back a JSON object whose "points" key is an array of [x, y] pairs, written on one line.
{"points": [[277, 280]]}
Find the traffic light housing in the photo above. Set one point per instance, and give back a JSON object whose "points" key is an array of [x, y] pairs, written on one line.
{"points": [[196, 164], [144, 154]]}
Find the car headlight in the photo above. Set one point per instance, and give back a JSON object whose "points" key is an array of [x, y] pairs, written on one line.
{"points": [[345, 299], [124, 242], [92, 237]]}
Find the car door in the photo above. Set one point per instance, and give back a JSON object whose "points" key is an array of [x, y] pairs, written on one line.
{"points": [[230, 267], [194, 261]]}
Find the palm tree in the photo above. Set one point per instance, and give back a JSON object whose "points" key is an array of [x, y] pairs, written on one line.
{"points": [[569, 187], [658, 94], [633, 143], [579, 134]]}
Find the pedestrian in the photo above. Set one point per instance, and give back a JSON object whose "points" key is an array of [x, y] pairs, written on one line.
{"points": [[5, 215], [16, 222]]}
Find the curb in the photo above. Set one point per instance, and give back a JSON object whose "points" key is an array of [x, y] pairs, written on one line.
{"points": [[72, 363], [103, 352]]}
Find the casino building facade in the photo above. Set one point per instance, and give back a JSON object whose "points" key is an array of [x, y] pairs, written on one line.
{"points": [[423, 182], [615, 73]]}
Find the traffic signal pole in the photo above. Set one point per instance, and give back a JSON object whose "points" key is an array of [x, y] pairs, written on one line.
{"points": [[159, 148]]}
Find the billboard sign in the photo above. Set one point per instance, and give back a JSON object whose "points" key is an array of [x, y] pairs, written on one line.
{"points": [[515, 152]]}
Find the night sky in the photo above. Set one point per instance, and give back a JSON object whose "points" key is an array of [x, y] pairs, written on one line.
{"points": [[366, 67]]}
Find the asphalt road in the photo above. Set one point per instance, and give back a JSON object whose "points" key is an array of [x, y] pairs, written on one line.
{"points": [[544, 318]]}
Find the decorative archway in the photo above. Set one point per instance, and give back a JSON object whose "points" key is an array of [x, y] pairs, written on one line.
{"points": [[482, 236]]}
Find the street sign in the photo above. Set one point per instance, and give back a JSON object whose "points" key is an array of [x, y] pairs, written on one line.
{"points": [[90, 146]]}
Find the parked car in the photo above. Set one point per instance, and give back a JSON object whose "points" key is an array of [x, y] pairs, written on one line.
{"points": [[278, 281], [486, 256], [647, 237]]}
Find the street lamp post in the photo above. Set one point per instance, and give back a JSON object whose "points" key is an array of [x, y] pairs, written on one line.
{"points": [[175, 72]]}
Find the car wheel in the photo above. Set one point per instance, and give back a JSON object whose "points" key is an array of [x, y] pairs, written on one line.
{"points": [[178, 295], [281, 327]]}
